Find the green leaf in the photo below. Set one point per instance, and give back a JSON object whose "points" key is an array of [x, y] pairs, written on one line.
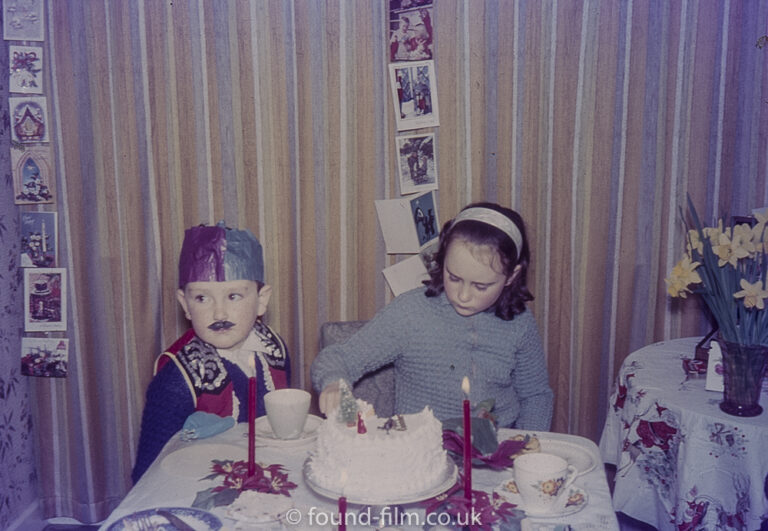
{"points": [[208, 499], [737, 323]]}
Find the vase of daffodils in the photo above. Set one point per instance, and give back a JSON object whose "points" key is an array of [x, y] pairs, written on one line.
{"points": [[726, 266]]}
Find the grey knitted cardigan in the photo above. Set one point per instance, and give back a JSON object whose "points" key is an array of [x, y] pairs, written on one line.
{"points": [[433, 348]]}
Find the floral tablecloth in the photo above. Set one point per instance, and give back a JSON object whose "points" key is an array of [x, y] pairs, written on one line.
{"points": [[175, 478], [681, 463]]}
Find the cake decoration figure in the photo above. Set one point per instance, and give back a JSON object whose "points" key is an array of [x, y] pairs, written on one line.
{"points": [[396, 423], [388, 425], [361, 429]]}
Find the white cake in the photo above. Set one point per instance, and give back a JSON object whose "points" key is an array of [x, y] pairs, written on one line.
{"points": [[393, 460]]}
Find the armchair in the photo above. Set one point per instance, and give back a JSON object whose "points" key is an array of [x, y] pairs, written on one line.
{"points": [[376, 388]]}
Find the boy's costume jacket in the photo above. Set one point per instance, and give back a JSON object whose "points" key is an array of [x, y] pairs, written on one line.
{"points": [[193, 376]]}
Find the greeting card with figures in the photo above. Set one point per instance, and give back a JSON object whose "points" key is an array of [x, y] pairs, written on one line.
{"points": [[417, 164], [23, 20], [29, 119], [45, 299], [414, 94], [44, 356], [410, 30], [32, 178], [409, 224], [26, 67], [38, 239]]}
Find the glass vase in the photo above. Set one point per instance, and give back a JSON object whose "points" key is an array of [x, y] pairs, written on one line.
{"points": [[743, 369]]}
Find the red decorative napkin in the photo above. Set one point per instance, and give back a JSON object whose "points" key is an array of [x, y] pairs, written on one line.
{"points": [[503, 457], [236, 479], [481, 511]]}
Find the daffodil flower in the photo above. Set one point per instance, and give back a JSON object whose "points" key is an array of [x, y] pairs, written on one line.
{"points": [[724, 250], [713, 233], [753, 294], [742, 243], [722, 260], [683, 274], [761, 216], [694, 242], [758, 231]]}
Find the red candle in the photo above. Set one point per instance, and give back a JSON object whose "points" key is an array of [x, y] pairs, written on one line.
{"points": [[467, 443], [342, 514], [251, 425]]}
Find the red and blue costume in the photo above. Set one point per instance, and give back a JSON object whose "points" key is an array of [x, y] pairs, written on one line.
{"points": [[192, 376]]}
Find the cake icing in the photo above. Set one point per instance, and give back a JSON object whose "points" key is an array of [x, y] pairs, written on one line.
{"points": [[391, 460]]}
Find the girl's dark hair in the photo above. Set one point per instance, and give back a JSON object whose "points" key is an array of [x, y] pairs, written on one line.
{"points": [[512, 300]]}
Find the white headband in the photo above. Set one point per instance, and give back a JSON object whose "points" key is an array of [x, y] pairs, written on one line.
{"points": [[495, 219]]}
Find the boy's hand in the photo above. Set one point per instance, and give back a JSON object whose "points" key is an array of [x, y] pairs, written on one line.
{"points": [[330, 397]]}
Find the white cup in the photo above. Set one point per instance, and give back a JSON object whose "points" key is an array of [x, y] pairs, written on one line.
{"points": [[542, 479], [287, 411]]}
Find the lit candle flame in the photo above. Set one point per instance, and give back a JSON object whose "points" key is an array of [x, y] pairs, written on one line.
{"points": [[465, 385]]}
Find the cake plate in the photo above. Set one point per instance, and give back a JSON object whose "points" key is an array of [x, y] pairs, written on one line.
{"points": [[446, 481]]}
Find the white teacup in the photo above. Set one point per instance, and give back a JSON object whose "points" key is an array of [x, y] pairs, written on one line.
{"points": [[287, 411], [542, 479]]}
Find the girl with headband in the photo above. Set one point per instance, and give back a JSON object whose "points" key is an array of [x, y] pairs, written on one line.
{"points": [[469, 320]]}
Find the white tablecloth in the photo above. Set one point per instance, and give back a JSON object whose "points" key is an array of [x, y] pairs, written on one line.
{"points": [[174, 479], [682, 463]]}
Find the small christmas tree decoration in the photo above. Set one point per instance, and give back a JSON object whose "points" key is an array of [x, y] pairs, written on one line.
{"points": [[347, 405]]}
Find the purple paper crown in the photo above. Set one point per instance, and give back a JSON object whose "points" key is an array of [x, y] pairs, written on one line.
{"points": [[218, 253]]}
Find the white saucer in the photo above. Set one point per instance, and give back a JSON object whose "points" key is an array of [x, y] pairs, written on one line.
{"points": [[576, 455], [263, 433], [572, 502], [576, 450]]}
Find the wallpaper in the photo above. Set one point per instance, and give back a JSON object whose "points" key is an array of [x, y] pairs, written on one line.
{"points": [[594, 119], [18, 478]]}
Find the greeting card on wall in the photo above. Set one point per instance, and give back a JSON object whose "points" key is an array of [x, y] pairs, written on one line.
{"points": [[38, 239], [32, 178], [414, 94], [45, 299], [714, 368], [408, 224], [410, 30], [44, 356], [29, 119], [416, 163], [406, 275], [26, 64], [23, 20]]}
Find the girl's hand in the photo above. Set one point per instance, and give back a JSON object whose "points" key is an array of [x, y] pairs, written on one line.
{"points": [[330, 397]]}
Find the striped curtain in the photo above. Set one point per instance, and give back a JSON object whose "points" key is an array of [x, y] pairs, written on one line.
{"points": [[593, 118]]}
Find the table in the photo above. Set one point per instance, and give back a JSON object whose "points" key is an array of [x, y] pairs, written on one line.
{"points": [[682, 463], [168, 483]]}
